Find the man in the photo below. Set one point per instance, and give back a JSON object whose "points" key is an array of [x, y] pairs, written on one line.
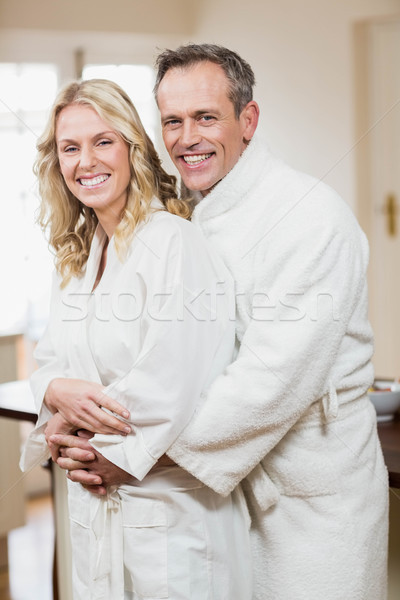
{"points": [[289, 419]]}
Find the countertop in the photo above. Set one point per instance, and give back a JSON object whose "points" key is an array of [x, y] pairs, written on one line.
{"points": [[16, 402]]}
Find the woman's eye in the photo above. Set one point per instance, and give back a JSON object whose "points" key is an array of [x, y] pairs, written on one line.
{"points": [[104, 142], [70, 149]]}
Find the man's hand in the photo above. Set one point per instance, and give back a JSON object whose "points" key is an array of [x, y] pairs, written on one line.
{"points": [[87, 466], [81, 402]]}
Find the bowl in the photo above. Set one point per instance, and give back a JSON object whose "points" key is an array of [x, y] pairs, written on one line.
{"points": [[386, 399]]}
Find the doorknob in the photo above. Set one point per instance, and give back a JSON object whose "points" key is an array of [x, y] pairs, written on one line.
{"points": [[390, 209]]}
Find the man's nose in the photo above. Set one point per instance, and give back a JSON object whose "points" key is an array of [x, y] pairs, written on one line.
{"points": [[190, 135]]}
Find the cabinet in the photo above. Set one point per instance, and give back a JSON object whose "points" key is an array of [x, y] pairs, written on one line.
{"points": [[12, 490]]}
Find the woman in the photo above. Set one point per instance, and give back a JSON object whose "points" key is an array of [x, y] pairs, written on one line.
{"points": [[139, 327]]}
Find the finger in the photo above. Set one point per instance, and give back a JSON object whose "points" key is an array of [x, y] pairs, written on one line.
{"points": [[112, 405], [84, 433], [97, 420], [70, 441], [68, 464], [97, 490], [103, 421], [78, 454], [84, 477], [54, 451]]}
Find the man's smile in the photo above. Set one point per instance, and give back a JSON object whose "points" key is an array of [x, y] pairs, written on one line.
{"points": [[196, 159]]}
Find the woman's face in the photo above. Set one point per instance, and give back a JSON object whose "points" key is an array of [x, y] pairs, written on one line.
{"points": [[94, 161]]}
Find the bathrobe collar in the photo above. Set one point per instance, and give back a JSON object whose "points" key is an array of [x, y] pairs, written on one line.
{"points": [[234, 187]]}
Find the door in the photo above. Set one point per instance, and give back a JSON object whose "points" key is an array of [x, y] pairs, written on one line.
{"points": [[382, 104]]}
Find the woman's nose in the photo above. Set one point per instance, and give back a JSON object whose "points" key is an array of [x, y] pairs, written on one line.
{"points": [[87, 157]]}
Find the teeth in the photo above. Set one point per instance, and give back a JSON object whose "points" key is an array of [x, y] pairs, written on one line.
{"points": [[194, 159], [93, 180]]}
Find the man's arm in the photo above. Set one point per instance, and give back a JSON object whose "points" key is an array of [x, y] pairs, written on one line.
{"points": [[286, 359], [182, 344], [88, 467], [285, 363]]}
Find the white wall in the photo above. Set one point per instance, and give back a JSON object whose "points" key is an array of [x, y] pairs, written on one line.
{"points": [[302, 55], [140, 16], [302, 52]]}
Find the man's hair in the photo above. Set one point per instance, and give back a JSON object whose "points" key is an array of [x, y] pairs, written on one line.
{"points": [[238, 72]]}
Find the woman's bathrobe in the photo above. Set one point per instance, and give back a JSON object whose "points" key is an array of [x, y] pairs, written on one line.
{"points": [[158, 328], [290, 417]]}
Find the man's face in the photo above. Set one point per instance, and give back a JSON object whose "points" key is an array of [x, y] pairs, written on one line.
{"points": [[200, 130]]}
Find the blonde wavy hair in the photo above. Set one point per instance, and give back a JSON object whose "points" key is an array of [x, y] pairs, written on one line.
{"points": [[69, 224]]}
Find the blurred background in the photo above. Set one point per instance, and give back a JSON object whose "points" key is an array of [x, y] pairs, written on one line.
{"points": [[328, 85]]}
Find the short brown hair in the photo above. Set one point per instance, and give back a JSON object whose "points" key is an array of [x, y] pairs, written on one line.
{"points": [[238, 72]]}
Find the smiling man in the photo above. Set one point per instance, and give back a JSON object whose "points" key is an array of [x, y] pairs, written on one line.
{"points": [[289, 419], [201, 130]]}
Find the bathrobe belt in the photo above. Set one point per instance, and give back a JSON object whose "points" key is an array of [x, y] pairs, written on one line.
{"points": [[106, 524], [323, 411]]}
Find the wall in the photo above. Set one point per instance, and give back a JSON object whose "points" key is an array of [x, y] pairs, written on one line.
{"points": [[302, 55], [301, 52], [140, 16]]}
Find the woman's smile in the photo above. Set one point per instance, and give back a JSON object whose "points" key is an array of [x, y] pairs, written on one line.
{"points": [[94, 161], [93, 181]]}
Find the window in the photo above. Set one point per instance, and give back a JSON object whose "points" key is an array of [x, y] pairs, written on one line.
{"points": [[27, 92], [138, 82]]}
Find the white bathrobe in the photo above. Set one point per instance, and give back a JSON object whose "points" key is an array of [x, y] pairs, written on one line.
{"points": [[291, 415], [156, 331]]}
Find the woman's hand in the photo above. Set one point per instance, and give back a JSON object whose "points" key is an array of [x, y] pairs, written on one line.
{"points": [[87, 466], [57, 424], [80, 403]]}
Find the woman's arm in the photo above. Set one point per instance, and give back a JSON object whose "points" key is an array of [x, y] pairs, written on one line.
{"points": [[187, 339]]}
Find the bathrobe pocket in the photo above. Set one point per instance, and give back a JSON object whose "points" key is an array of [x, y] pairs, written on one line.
{"points": [[145, 547], [90, 532], [303, 464]]}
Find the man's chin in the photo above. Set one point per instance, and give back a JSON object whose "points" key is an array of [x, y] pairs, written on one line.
{"points": [[194, 186]]}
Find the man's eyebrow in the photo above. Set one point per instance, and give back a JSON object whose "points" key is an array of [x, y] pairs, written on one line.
{"points": [[198, 113], [170, 117], [206, 111]]}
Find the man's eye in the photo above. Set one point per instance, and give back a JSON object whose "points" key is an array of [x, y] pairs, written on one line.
{"points": [[172, 123], [207, 118]]}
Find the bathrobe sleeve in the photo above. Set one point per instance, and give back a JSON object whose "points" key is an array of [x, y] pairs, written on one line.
{"points": [[50, 367], [309, 293], [49, 364], [188, 337]]}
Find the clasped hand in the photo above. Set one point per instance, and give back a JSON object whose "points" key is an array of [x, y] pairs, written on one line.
{"points": [[85, 465], [77, 404]]}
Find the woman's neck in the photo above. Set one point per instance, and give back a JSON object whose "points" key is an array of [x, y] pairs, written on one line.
{"points": [[102, 265]]}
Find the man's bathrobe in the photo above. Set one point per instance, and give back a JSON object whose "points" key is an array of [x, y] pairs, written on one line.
{"points": [[290, 417], [158, 328]]}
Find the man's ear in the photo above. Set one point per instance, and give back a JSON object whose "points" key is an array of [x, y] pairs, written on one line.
{"points": [[249, 117]]}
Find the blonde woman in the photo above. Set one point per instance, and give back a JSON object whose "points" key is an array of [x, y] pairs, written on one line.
{"points": [[140, 325]]}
